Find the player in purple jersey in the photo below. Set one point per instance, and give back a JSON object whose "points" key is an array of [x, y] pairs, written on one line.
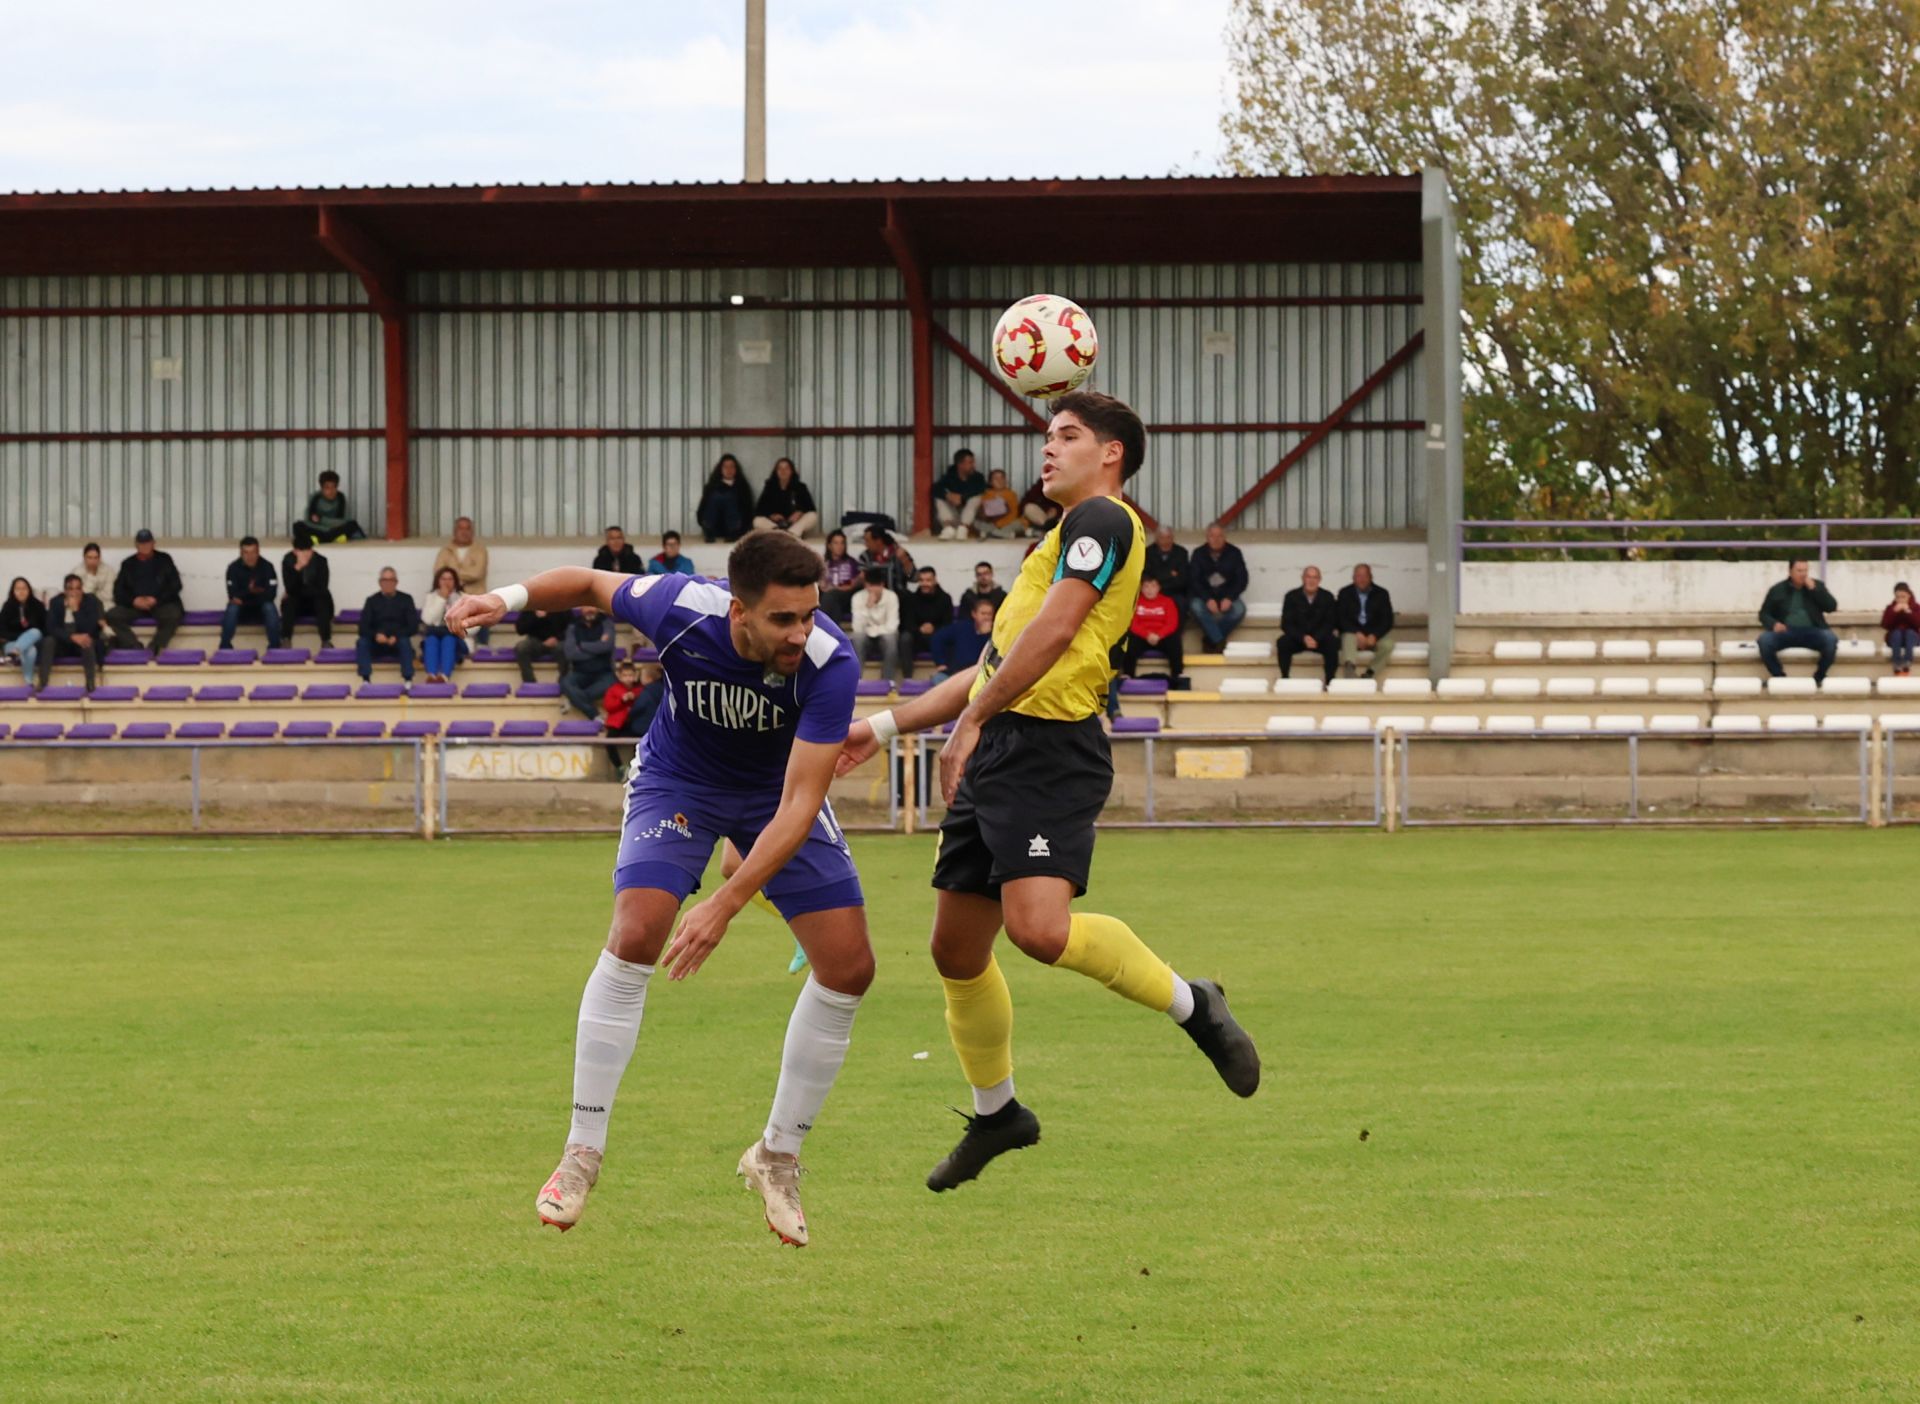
{"points": [[760, 689]]}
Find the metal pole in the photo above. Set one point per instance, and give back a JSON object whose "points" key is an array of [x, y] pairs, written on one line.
{"points": [[893, 784], [195, 756], [440, 793], [1879, 796], [1823, 550], [756, 163], [911, 750], [1633, 775], [425, 754], [1396, 796], [1148, 740]]}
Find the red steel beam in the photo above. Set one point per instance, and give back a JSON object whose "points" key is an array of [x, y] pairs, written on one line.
{"points": [[386, 286], [980, 368], [1323, 428], [920, 316]]}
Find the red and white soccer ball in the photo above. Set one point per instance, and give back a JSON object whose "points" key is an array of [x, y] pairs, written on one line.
{"points": [[1045, 345]]}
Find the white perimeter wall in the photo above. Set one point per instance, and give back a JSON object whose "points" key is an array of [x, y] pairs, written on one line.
{"points": [[1662, 587]]}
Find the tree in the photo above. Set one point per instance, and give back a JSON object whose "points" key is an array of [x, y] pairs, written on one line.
{"points": [[1689, 231]]}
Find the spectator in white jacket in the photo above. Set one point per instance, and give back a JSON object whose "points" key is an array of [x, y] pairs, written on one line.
{"points": [[876, 623]]}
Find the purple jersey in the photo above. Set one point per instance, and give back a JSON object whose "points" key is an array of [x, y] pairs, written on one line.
{"points": [[726, 722]]}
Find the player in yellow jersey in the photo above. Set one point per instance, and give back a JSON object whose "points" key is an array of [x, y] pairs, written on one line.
{"points": [[1025, 775]]}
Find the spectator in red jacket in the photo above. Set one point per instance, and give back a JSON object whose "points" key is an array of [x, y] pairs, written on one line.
{"points": [[1157, 622], [1901, 620]]}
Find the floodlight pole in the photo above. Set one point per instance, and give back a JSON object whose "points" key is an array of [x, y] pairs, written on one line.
{"points": [[756, 91]]}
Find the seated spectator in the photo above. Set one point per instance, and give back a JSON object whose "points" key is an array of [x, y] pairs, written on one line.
{"points": [[251, 584], [1364, 612], [148, 586], [1167, 562], [440, 651], [668, 560], [96, 581], [1795, 615], [1000, 509], [618, 554], [23, 624], [628, 707], [307, 580], [388, 622], [876, 623], [328, 516], [1901, 620], [1218, 579], [984, 587], [589, 650], [895, 563], [960, 644], [924, 611], [467, 555], [786, 504], [841, 580], [1309, 623], [956, 497], [1040, 510], [74, 626], [1157, 624], [543, 636], [726, 502]]}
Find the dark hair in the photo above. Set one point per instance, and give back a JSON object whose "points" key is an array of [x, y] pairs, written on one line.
{"points": [[983, 565], [843, 539], [1900, 585], [719, 462], [70, 580], [928, 570], [1110, 419], [445, 570], [959, 454], [247, 541], [329, 477], [621, 530], [302, 537], [90, 546], [987, 600], [773, 473], [667, 536], [22, 580], [764, 558], [1793, 561], [874, 575]]}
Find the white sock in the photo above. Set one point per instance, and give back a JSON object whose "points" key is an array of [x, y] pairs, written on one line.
{"points": [[988, 1100], [610, 1009], [1181, 1009], [817, 1038]]}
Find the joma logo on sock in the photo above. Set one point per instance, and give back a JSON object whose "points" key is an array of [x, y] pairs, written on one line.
{"points": [[597, 1111]]}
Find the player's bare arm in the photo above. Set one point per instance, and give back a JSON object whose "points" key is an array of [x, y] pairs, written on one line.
{"points": [[935, 706], [809, 772], [559, 589]]}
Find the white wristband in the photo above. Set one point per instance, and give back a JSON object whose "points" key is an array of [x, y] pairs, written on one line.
{"points": [[885, 728], [514, 597]]}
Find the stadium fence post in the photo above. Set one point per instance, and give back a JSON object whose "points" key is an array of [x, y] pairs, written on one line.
{"points": [[426, 779], [1388, 742], [910, 808], [194, 762], [1147, 741], [1879, 793]]}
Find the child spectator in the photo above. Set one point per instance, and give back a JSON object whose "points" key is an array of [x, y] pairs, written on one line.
{"points": [[1000, 509], [1901, 620], [669, 561], [439, 650], [328, 516], [1157, 622]]}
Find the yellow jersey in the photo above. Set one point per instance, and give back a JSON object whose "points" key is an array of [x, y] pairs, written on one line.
{"points": [[1100, 542]]}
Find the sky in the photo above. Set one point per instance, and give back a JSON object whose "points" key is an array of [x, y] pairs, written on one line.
{"points": [[114, 95]]}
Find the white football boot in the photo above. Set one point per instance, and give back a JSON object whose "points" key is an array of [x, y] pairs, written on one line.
{"points": [[563, 1198], [777, 1177]]}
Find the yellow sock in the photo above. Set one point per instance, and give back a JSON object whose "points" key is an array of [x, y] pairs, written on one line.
{"points": [[1104, 948], [980, 1023], [765, 904]]}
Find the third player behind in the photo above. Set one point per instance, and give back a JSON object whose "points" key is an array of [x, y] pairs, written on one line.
{"points": [[1026, 773]]}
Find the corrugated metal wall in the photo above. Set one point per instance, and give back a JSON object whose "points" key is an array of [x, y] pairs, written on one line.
{"points": [[1287, 364], [850, 369], [96, 374]]}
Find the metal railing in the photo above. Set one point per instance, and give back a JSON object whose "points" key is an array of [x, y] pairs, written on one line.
{"points": [[1695, 534]]}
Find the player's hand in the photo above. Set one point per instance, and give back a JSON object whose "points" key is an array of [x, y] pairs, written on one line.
{"points": [[955, 755], [700, 931], [475, 612], [860, 748]]}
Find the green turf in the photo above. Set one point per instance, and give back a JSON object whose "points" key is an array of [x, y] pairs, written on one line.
{"points": [[1548, 1116]]}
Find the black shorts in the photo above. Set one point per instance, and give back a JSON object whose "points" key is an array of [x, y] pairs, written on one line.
{"points": [[1026, 806]]}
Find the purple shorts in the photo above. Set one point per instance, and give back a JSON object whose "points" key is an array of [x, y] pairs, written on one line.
{"points": [[670, 827]]}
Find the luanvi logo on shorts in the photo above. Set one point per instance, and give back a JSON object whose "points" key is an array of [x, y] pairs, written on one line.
{"points": [[1037, 848]]}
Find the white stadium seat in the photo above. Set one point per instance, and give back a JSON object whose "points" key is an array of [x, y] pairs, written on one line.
{"points": [[1791, 687], [1571, 687], [1793, 721], [1298, 687], [1518, 651], [1461, 689], [1406, 687], [1620, 721], [1846, 721], [1737, 687], [1291, 723], [1243, 687], [1674, 721], [1263, 612], [1510, 724], [1627, 650], [1847, 687], [1679, 687], [1742, 650], [1413, 652], [1898, 687], [1247, 651], [1626, 687], [1572, 650], [1723, 722], [1680, 650], [1858, 650], [1900, 721], [1454, 723], [1569, 722], [1345, 726], [1511, 689], [1401, 724], [1353, 687]]}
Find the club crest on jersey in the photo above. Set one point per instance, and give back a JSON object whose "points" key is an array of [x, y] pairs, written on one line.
{"points": [[1085, 554]]}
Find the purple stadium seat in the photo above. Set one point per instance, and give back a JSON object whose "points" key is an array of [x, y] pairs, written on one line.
{"points": [[361, 731], [200, 731], [39, 731], [254, 731], [233, 657], [521, 730], [167, 693], [128, 658], [278, 656], [202, 618], [1143, 687], [646, 655], [348, 616], [913, 687], [272, 692], [5, 730], [181, 657], [218, 692], [576, 726], [475, 692], [537, 689], [872, 687], [16, 693], [325, 692], [512, 616], [63, 693], [147, 731], [432, 692], [471, 730], [493, 655], [116, 693], [307, 730], [92, 731], [379, 692], [1136, 723], [408, 730], [334, 655]]}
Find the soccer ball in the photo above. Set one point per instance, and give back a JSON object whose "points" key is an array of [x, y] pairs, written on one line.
{"points": [[1045, 346]]}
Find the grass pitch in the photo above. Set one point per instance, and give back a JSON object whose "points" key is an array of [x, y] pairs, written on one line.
{"points": [[1547, 1116]]}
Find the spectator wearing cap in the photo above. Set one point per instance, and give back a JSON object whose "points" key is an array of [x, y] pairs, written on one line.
{"points": [[23, 624], [876, 623], [543, 636], [961, 643], [1364, 612], [388, 623], [669, 561], [307, 580], [1219, 579], [328, 516], [1901, 620], [1794, 615], [74, 626], [251, 584], [924, 611], [786, 504], [956, 497], [618, 555], [148, 585], [1309, 623], [589, 650]]}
